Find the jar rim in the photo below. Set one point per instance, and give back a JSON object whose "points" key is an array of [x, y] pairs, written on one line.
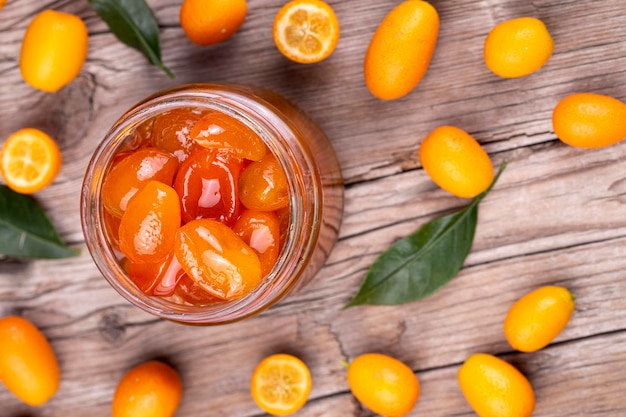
{"points": [[293, 156]]}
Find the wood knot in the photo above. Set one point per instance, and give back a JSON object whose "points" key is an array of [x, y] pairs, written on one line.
{"points": [[112, 327]]}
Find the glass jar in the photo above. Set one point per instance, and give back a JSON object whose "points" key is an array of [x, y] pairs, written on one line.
{"points": [[314, 183]]}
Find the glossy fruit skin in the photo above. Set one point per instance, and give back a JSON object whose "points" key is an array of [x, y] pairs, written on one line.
{"points": [[159, 278], [456, 162], [306, 31], [148, 226], [132, 173], [261, 231], [24, 152], [495, 388], [280, 384], [191, 293], [518, 47], [151, 389], [207, 22], [28, 365], [171, 132], [217, 130], [401, 49], [263, 185], [54, 50], [206, 184], [588, 120], [538, 317], [383, 384], [217, 259]]}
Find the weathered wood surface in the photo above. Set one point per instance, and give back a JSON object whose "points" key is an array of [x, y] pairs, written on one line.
{"points": [[556, 216]]}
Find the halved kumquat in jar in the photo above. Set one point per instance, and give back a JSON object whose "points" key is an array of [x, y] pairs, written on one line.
{"points": [[306, 31], [29, 161], [217, 259]]}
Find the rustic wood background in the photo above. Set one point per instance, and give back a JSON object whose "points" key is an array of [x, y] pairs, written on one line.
{"points": [[557, 215]]}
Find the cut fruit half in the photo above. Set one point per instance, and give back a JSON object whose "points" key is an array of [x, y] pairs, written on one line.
{"points": [[281, 384], [306, 31], [29, 161]]}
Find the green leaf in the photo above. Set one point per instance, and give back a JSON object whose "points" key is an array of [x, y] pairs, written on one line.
{"points": [[26, 231], [420, 264], [133, 23]]}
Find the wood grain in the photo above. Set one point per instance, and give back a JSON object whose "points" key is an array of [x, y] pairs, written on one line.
{"points": [[555, 217]]}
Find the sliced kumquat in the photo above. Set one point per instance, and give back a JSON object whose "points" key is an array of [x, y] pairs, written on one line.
{"points": [[29, 161], [281, 384], [306, 31], [219, 130]]}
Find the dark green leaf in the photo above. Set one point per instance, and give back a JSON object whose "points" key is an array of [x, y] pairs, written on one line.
{"points": [[26, 231], [420, 264], [133, 23]]}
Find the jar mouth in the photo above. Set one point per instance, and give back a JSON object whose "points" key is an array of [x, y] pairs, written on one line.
{"points": [[292, 154]]}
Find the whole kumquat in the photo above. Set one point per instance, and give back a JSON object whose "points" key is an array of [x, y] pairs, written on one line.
{"points": [[29, 160], [306, 31], [28, 365], [518, 47], [280, 384], [589, 120], [456, 162], [383, 384], [495, 388], [207, 22], [538, 317], [54, 50], [151, 389], [401, 49]]}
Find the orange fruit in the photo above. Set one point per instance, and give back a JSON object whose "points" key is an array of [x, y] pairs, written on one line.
{"points": [[29, 160], [456, 162], [28, 366], [2, 3], [280, 384], [518, 47], [538, 317], [495, 388], [401, 49], [54, 50], [207, 22], [588, 120], [383, 384], [306, 31], [151, 389]]}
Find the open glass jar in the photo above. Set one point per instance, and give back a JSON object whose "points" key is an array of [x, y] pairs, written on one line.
{"points": [[310, 220]]}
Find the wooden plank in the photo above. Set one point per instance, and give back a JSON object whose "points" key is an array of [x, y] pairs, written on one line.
{"points": [[555, 217]]}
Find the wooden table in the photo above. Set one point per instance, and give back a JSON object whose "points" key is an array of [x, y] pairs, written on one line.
{"points": [[557, 215]]}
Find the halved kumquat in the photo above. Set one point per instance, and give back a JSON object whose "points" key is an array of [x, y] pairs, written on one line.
{"points": [[306, 31], [281, 384], [29, 160]]}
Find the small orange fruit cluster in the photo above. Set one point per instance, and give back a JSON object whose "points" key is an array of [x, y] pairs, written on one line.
{"points": [[494, 387], [281, 383]]}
